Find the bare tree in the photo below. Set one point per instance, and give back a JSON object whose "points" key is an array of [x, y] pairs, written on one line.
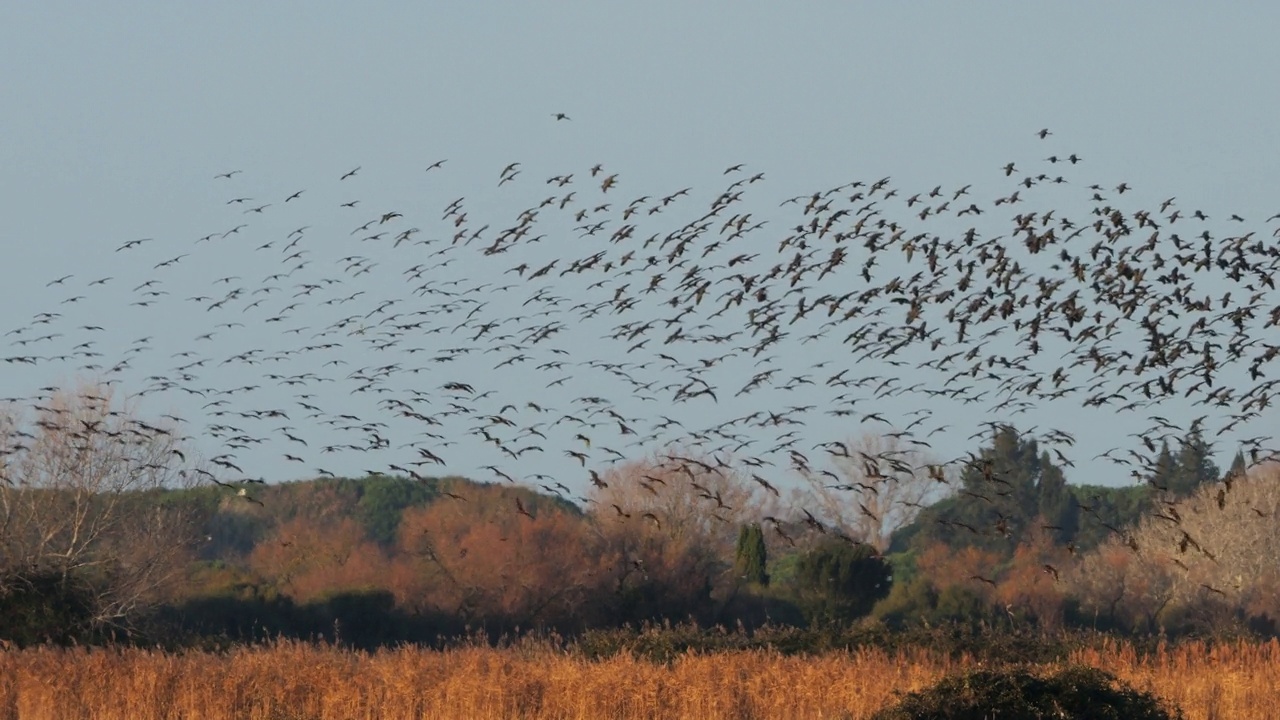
{"points": [[683, 494], [674, 519], [77, 505], [1201, 557], [875, 486]]}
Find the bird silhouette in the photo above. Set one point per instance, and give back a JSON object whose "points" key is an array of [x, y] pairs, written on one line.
{"points": [[950, 304], [520, 509]]}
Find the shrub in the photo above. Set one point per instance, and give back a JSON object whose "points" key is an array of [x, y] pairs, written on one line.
{"points": [[1075, 692], [838, 582], [42, 607]]}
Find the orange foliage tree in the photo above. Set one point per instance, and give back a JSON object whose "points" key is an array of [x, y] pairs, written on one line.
{"points": [[478, 557], [1033, 585], [308, 559]]}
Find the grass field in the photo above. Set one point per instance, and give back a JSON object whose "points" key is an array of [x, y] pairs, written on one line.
{"points": [[295, 680]]}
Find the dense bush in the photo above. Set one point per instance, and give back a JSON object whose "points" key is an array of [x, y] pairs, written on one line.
{"points": [[1074, 693], [359, 619], [44, 607], [838, 582]]}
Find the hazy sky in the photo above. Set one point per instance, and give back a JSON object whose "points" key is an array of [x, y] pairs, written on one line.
{"points": [[115, 117]]}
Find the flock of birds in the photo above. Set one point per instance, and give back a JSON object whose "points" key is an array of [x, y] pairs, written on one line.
{"points": [[402, 349]]}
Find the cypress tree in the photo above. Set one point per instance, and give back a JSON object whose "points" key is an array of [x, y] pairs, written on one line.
{"points": [[841, 582], [1000, 491], [1162, 476], [1057, 505], [1195, 466], [751, 554]]}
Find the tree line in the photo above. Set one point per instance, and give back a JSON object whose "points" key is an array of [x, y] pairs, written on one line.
{"points": [[116, 539]]}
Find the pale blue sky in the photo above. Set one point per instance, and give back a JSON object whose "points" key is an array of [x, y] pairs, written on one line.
{"points": [[114, 117]]}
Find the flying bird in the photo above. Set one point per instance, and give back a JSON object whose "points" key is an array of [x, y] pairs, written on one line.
{"points": [[520, 509]]}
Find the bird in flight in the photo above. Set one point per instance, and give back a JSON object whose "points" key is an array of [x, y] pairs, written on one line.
{"points": [[242, 492], [520, 509], [560, 116], [640, 268], [132, 243], [508, 173]]}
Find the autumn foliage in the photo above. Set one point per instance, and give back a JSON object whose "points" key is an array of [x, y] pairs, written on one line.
{"points": [[99, 502], [477, 558]]}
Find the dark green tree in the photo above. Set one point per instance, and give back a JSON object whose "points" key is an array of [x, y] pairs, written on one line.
{"points": [[383, 499], [1000, 496], [1165, 470], [751, 554], [838, 581], [1195, 465], [1058, 508], [1118, 507], [40, 607], [1001, 486]]}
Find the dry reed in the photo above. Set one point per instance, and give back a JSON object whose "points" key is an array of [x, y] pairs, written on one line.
{"points": [[295, 680]]}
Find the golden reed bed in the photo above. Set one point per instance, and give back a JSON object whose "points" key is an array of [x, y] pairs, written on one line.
{"points": [[295, 680]]}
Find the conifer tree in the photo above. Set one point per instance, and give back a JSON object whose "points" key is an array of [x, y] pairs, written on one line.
{"points": [[1166, 467], [838, 582], [1000, 489], [1057, 505], [1195, 465], [751, 555]]}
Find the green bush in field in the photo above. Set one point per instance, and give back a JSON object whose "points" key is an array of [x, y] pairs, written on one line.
{"points": [[1075, 693]]}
